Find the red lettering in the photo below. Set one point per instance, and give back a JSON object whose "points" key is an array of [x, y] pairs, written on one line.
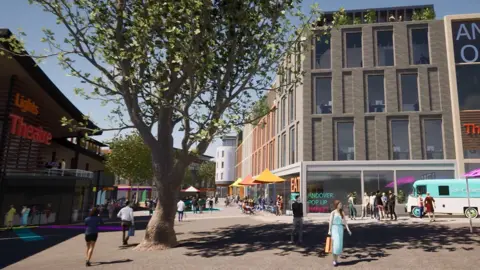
{"points": [[24, 130]]}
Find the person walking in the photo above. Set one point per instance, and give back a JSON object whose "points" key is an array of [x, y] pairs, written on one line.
{"points": [[391, 205], [429, 207], [336, 226], [365, 205], [111, 209], [210, 204], [351, 207], [297, 208], [10, 216], [194, 205], [385, 204], [25, 214], [372, 205], [127, 218], [180, 209], [380, 208], [91, 232], [420, 205]]}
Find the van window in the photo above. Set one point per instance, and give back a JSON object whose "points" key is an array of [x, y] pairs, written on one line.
{"points": [[443, 190], [421, 190]]}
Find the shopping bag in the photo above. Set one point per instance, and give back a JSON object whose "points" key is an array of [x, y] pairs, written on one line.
{"points": [[131, 231], [328, 245]]}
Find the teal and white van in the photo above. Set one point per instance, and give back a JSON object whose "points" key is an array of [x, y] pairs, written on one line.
{"points": [[450, 196]]}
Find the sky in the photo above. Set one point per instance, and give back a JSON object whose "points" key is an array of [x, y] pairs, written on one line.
{"points": [[18, 14]]}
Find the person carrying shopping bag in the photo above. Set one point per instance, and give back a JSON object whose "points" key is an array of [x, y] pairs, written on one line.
{"points": [[336, 226]]}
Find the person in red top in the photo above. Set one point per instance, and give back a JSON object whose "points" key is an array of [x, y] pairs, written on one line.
{"points": [[429, 207]]}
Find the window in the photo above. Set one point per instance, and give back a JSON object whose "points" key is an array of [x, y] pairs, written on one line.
{"points": [[420, 51], [385, 48], [284, 150], [376, 93], [87, 166], [409, 95], [443, 190], [323, 95], [421, 190], [468, 83], [353, 49], [322, 52], [433, 138], [378, 180], [291, 106], [283, 112], [222, 164], [292, 146], [222, 154], [345, 141], [400, 146], [221, 176]]}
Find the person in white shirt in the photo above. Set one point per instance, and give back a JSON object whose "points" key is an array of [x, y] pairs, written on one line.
{"points": [[372, 205], [126, 215], [365, 204], [180, 209]]}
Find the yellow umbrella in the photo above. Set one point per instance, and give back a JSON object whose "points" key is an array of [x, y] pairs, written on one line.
{"points": [[267, 177], [236, 183]]}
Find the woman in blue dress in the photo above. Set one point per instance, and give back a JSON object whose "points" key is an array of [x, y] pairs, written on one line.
{"points": [[335, 230], [25, 214]]}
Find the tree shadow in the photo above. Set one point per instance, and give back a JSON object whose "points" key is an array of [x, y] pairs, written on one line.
{"points": [[368, 242]]}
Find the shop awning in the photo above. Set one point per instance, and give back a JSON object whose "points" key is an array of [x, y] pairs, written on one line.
{"points": [[402, 181], [473, 174], [237, 183], [267, 177], [191, 189], [248, 181]]}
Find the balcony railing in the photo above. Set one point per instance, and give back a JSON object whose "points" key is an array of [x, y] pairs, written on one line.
{"points": [[53, 172]]}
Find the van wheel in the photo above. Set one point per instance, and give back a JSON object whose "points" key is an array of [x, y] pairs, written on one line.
{"points": [[416, 212], [471, 212]]}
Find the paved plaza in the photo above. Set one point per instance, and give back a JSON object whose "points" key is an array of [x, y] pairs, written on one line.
{"points": [[229, 240]]}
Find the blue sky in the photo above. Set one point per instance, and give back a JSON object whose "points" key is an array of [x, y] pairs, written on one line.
{"points": [[16, 14]]}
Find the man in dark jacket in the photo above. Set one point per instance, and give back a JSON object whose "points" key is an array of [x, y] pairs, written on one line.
{"points": [[391, 205], [297, 208]]}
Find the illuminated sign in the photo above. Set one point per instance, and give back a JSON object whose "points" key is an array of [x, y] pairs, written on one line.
{"points": [[471, 129], [24, 130], [466, 41], [295, 184], [26, 105]]}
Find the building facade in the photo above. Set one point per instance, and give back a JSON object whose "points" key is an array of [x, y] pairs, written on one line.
{"points": [[376, 106]]}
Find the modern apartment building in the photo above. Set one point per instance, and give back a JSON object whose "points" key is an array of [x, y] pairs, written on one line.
{"points": [[377, 110], [225, 164]]}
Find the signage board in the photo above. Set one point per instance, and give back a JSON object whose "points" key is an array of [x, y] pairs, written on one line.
{"points": [[466, 41], [20, 128]]}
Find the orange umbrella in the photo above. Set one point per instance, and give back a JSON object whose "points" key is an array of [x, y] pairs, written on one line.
{"points": [[267, 177], [248, 181]]}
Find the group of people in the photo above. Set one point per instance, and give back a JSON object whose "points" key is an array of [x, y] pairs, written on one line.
{"points": [[94, 221], [427, 206], [27, 215], [378, 205]]}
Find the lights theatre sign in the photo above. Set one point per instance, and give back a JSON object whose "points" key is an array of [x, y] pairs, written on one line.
{"points": [[466, 41], [20, 128]]}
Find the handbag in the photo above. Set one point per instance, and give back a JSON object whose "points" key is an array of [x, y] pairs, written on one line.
{"points": [[328, 245], [131, 231]]}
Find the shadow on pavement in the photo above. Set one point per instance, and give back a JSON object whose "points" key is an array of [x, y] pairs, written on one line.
{"points": [[111, 262], [13, 249], [368, 242]]}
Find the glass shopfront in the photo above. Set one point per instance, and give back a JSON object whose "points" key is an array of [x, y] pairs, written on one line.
{"points": [[324, 187]]}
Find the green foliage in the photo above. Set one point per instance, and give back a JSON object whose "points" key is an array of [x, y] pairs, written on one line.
{"points": [[340, 18], [206, 173], [357, 20], [371, 16], [425, 14], [130, 159], [417, 15], [259, 110]]}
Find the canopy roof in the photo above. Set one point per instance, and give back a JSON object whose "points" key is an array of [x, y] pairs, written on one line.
{"points": [[248, 181], [237, 183], [267, 177], [191, 189]]}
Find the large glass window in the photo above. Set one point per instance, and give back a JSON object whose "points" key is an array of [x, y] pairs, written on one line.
{"points": [[405, 180], [284, 150], [283, 112], [400, 139], [433, 138], [322, 52], [292, 146], [376, 93], [409, 83], [323, 188], [345, 141], [323, 95], [420, 51], [354, 49], [378, 180], [385, 48], [468, 84]]}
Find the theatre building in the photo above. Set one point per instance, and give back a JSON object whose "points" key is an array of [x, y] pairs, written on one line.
{"points": [[44, 165], [382, 103]]}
